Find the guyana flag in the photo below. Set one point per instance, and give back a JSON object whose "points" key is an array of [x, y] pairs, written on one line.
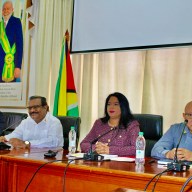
{"points": [[65, 102]]}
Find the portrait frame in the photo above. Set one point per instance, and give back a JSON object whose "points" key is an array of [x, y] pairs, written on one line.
{"points": [[15, 94]]}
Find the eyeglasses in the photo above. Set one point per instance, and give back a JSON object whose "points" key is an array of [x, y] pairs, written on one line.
{"points": [[189, 115], [35, 107]]}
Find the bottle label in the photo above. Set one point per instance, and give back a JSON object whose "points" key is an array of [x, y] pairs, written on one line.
{"points": [[140, 154], [72, 143]]}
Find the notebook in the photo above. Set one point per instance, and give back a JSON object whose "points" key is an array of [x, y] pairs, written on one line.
{"points": [[106, 157], [166, 161]]}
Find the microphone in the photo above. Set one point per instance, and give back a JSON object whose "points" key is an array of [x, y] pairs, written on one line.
{"points": [[93, 155], [50, 154], [178, 165], [4, 146]]}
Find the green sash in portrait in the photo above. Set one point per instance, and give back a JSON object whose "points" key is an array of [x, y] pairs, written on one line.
{"points": [[9, 65]]}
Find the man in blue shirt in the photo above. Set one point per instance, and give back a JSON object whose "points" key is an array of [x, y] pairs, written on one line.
{"points": [[165, 147]]}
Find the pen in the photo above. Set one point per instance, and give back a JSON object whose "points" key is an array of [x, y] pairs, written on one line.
{"points": [[151, 161]]}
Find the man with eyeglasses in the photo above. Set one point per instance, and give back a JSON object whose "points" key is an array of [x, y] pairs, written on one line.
{"points": [[40, 129], [166, 146]]}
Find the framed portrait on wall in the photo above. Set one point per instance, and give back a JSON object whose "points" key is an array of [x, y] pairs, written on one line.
{"points": [[13, 60]]}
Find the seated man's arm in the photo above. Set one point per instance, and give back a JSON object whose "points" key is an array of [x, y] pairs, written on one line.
{"points": [[164, 148], [38, 136]]}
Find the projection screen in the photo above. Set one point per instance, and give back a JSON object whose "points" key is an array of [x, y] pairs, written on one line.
{"points": [[110, 25]]}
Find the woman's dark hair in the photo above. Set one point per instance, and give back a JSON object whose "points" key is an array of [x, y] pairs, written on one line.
{"points": [[126, 115]]}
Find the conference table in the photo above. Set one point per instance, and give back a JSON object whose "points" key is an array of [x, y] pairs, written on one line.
{"points": [[28, 170]]}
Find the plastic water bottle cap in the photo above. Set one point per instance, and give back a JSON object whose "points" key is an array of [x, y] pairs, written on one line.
{"points": [[72, 128], [140, 133]]}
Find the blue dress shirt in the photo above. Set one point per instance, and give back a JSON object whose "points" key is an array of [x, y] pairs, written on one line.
{"points": [[170, 140]]}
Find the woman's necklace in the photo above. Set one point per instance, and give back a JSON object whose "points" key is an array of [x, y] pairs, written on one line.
{"points": [[112, 124]]}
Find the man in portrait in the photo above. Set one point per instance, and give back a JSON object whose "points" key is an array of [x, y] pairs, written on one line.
{"points": [[11, 45]]}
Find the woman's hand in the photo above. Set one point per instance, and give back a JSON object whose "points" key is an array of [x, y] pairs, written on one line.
{"points": [[102, 148]]}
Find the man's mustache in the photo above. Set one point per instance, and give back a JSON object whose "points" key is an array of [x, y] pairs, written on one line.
{"points": [[33, 113]]}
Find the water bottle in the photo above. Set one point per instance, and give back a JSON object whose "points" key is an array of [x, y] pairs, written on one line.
{"points": [[139, 168], [72, 140], [140, 149]]}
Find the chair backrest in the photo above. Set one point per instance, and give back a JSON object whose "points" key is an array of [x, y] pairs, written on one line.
{"points": [[152, 127], [2, 122], [67, 122], [12, 120]]}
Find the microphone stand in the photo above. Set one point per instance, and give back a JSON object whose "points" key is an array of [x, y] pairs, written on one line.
{"points": [[4, 146], [94, 156], [178, 165]]}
